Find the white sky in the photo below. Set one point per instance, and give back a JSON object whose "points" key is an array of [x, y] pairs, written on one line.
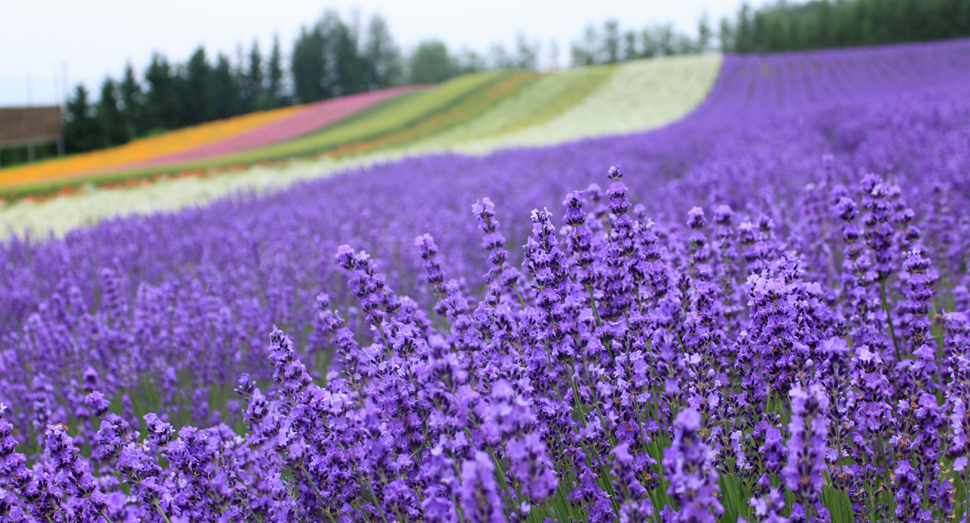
{"points": [[95, 38]]}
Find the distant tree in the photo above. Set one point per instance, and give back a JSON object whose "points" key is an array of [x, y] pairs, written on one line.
{"points": [[82, 131], [825, 23], [704, 34], [253, 80], [526, 54], [132, 103], [382, 55], [584, 51], [346, 67], [725, 35], [649, 46], [630, 46], [195, 97], [111, 120], [308, 66], [666, 40], [274, 87], [499, 58], [610, 42], [224, 93], [470, 61], [161, 100], [431, 63]]}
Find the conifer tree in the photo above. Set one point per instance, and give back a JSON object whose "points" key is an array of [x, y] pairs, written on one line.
{"points": [[111, 120], [197, 78], [81, 129], [131, 103], [274, 88]]}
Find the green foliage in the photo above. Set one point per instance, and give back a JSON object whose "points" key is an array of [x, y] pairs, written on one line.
{"points": [[382, 55], [430, 63], [823, 23], [114, 125], [82, 131], [162, 106], [132, 103], [274, 87], [223, 90], [195, 107]]}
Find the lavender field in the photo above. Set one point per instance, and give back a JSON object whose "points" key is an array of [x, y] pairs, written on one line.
{"points": [[758, 313]]}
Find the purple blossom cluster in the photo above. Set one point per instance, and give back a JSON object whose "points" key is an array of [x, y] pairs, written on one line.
{"points": [[762, 317]]}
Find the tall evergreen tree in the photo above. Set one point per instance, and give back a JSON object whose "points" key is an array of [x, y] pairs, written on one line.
{"points": [[132, 107], [82, 131], [253, 80], [308, 66], [195, 96], [111, 120], [345, 68], [224, 93], [274, 86], [382, 55], [161, 103]]}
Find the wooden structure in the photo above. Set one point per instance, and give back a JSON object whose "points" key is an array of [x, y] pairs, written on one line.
{"points": [[30, 126]]}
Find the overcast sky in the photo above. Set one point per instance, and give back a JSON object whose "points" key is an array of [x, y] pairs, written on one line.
{"points": [[95, 38]]}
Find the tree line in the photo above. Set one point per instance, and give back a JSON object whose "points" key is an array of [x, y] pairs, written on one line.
{"points": [[818, 24], [333, 57]]}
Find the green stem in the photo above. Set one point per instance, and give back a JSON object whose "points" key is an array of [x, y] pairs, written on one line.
{"points": [[160, 511], [889, 318]]}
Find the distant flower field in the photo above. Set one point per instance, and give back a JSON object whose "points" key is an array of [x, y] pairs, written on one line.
{"points": [[757, 313], [476, 114], [143, 149]]}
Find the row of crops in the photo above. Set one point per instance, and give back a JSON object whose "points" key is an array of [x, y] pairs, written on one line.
{"points": [[476, 113], [760, 315], [483, 105]]}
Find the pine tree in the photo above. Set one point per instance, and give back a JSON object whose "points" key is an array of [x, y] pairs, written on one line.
{"points": [[383, 56], [81, 129], [132, 103], [224, 93], [308, 66], [274, 88], [161, 104], [253, 80], [111, 120], [195, 96]]}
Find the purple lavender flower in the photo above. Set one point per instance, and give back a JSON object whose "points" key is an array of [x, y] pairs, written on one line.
{"points": [[688, 467]]}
